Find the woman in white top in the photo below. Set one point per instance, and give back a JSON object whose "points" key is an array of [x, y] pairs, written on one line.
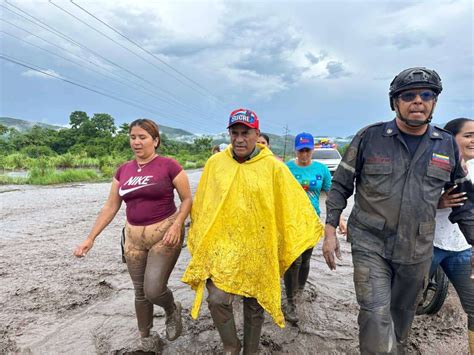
{"points": [[451, 250]]}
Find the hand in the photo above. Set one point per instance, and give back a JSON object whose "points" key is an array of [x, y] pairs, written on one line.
{"points": [[331, 247], [173, 235], [342, 227], [454, 200], [83, 249]]}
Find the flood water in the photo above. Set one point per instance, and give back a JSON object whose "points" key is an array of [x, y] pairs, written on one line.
{"points": [[54, 303]]}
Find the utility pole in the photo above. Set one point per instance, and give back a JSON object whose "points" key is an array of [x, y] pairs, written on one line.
{"points": [[284, 146]]}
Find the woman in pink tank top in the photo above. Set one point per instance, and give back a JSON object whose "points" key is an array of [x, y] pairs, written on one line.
{"points": [[154, 228]]}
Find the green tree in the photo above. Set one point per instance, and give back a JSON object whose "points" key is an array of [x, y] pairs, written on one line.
{"points": [[202, 144], [3, 129], [124, 128], [77, 118], [37, 151], [65, 139], [104, 124]]}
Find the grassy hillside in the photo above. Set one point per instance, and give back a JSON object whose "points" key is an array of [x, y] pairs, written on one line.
{"points": [[174, 132], [23, 125]]}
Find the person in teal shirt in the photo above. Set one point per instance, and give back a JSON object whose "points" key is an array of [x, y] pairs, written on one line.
{"points": [[313, 177]]}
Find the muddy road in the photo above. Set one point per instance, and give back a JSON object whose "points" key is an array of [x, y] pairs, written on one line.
{"points": [[53, 303]]}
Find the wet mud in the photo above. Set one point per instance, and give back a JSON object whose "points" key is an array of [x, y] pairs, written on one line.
{"points": [[53, 303]]}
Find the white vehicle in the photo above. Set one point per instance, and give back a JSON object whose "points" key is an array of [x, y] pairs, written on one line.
{"points": [[327, 156]]}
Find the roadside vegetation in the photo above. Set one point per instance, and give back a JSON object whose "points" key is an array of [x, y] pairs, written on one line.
{"points": [[91, 150]]}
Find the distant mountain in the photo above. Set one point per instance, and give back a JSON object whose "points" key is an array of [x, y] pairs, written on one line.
{"points": [[177, 134], [23, 125]]}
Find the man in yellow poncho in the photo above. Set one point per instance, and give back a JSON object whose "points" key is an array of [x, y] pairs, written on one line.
{"points": [[250, 221]]}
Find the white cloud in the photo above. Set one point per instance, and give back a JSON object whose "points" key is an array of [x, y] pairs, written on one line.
{"points": [[261, 87], [35, 74]]}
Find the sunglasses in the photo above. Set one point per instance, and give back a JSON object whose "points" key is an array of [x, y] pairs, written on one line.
{"points": [[410, 96]]}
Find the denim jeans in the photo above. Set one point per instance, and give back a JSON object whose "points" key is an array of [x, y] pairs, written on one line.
{"points": [[457, 266]]}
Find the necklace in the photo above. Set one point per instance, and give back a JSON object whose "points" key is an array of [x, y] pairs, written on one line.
{"points": [[141, 166]]}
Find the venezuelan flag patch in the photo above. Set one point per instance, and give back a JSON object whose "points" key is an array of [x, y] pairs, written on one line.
{"points": [[441, 161]]}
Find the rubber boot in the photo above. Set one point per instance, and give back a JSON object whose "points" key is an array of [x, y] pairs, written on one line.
{"points": [[174, 323], [228, 334], [251, 338], [290, 311], [471, 342]]}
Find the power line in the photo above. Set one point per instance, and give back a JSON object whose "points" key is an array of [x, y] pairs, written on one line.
{"points": [[148, 52], [67, 38], [146, 91], [69, 81], [112, 40], [74, 62]]}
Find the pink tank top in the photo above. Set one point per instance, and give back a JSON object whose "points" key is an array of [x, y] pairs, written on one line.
{"points": [[149, 194]]}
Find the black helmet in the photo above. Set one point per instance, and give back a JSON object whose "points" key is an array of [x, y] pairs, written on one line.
{"points": [[415, 78]]}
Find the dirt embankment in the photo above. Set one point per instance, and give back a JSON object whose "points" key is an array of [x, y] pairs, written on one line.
{"points": [[51, 302]]}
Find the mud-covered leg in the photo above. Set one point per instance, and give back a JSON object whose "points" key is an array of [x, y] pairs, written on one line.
{"points": [[220, 306], [136, 264], [160, 263], [372, 280], [253, 321], [407, 287], [291, 286], [304, 269]]}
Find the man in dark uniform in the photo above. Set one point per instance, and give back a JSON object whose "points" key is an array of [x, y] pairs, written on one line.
{"points": [[400, 168]]}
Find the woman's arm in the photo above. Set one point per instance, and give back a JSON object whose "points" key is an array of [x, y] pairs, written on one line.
{"points": [[106, 215], [181, 183]]}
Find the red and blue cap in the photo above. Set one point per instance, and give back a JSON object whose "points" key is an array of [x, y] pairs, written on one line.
{"points": [[245, 117], [304, 140]]}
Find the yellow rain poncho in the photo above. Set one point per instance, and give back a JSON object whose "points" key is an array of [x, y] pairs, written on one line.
{"points": [[250, 221]]}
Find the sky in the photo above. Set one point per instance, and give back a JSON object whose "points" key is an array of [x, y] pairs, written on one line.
{"points": [[322, 67]]}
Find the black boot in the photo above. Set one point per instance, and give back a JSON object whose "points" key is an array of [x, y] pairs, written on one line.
{"points": [[253, 322], [251, 338], [229, 338]]}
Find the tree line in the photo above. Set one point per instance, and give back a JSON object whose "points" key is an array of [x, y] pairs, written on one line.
{"points": [[94, 144]]}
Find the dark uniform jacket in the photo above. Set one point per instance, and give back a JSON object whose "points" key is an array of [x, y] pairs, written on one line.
{"points": [[396, 195]]}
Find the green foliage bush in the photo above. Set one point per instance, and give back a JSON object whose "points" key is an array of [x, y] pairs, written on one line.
{"points": [[41, 169], [63, 161], [108, 171], [15, 161], [49, 176], [36, 151], [9, 180]]}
